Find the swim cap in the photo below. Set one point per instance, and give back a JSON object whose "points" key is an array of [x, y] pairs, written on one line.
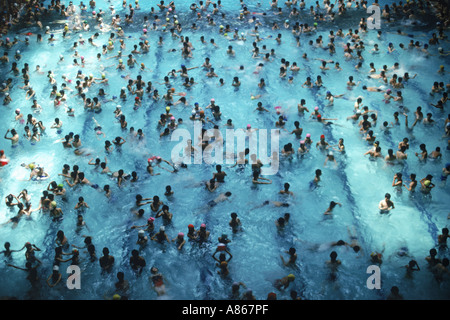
{"points": [[31, 166], [137, 98], [291, 277], [162, 228], [141, 233], [212, 100], [53, 204], [322, 137], [388, 91], [60, 185], [151, 219], [181, 234], [221, 247], [203, 225], [358, 111], [55, 268], [191, 226], [302, 141], [120, 60], [145, 30], [308, 135], [17, 111], [319, 116], [249, 126], [316, 108], [315, 24], [427, 183], [116, 297], [167, 108]]}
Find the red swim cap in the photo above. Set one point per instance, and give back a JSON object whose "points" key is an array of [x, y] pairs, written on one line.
{"points": [[190, 226]]}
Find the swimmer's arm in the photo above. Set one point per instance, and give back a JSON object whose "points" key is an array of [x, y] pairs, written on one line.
{"points": [[10, 265], [70, 184], [6, 134]]}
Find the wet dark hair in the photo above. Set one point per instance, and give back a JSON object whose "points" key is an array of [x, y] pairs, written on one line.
{"points": [[333, 255]]}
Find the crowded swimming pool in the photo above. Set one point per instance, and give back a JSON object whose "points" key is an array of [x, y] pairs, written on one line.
{"points": [[91, 127]]}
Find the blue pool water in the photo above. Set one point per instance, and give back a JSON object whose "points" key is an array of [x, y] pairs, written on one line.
{"points": [[356, 182]]}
